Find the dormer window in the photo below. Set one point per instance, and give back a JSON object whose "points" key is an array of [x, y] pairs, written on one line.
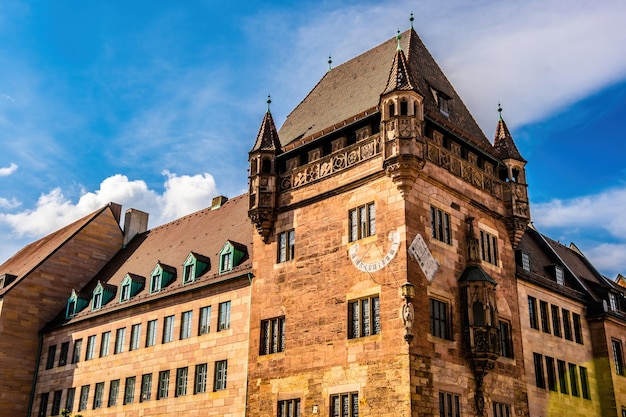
{"points": [[444, 105], [195, 265], [130, 286], [526, 261], [559, 275], [231, 255], [74, 305], [102, 295], [161, 276]]}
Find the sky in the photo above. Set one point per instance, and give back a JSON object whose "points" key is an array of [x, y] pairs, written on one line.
{"points": [[155, 104]]}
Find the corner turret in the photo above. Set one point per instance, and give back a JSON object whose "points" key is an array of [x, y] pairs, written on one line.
{"points": [[516, 192], [263, 175], [402, 123]]}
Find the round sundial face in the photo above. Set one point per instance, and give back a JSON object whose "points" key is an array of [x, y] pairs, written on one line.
{"points": [[377, 258]]}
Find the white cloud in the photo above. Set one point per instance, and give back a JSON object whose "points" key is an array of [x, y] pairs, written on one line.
{"points": [[182, 195], [9, 204], [5, 172]]}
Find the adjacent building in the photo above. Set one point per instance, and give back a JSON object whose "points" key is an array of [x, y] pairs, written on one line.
{"points": [[382, 263]]}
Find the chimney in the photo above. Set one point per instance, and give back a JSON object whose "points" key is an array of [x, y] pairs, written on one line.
{"points": [[218, 201], [135, 222]]}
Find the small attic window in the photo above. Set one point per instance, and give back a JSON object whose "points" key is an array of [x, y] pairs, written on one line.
{"points": [[130, 286], [161, 276], [612, 302], [101, 295], [125, 292], [525, 261], [96, 302], [74, 305], [231, 255], [559, 275], [444, 105], [71, 308], [189, 273], [195, 265]]}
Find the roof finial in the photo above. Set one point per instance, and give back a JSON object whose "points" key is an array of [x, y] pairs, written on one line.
{"points": [[269, 101], [500, 110], [330, 63], [398, 37], [411, 20]]}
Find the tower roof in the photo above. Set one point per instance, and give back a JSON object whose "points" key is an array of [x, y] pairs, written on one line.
{"points": [[352, 91], [503, 143], [267, 139], [399, 76]]}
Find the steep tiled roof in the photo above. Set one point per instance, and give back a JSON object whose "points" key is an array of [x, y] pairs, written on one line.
{"points": [[267, 139], [33, 254], [503, 143], [574, 261], [203, 232], [400, 78], [355, 87]]}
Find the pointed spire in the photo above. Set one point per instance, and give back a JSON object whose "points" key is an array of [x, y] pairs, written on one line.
{"points": [[411, 20], [503, 142], [267, 139], [399, 76]]}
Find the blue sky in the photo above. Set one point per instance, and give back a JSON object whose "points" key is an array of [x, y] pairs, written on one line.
{"points": [[155, 105]]}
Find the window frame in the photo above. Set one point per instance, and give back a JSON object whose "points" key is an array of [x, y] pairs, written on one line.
{"points": [[91, 347], [367, 321], [532, 313], [56, 403], [489, 247], [151, 332], [286, 246], [105, 343], [65, 347], [83, 400], [362, 222], [114, 392], [200, 378], [559, 275], [436, 320], [204, 322], [449, 404], [223, 316], [289, 408], [618, 357], [337, 401], [551, 373], [52, 351], [43, 404], [69, 399], [135, 337], [98, 395], [186, 318], [220, 375], [129, 390], [584, 383], [168, 329], [540, 378], [501, 409], [578, 336], [272, 338], [562, 373], [164, 385], [182, 375], [146, 388], [120, 340], [556, 320], [440, 225], [567, 324], [525, 260], [78, 345], [544, 316], [506, 339], [573, 378]]}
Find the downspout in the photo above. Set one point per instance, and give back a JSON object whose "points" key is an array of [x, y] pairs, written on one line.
{"points": [[37, 362], [245, 401]]}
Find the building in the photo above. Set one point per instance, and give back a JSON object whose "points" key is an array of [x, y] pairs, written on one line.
{"points": [[381, 264]]}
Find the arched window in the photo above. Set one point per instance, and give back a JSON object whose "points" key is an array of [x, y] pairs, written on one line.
{"points": [[404, 108], [392, 110]]}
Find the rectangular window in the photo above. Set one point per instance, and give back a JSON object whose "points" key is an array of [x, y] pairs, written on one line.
{"points": [[164, 384], [562, 376], [168, 329], [151, 333], [78, 344], [567, 327], [289, 408], [556, 321], [545, 318], [286, 245], [105, 343], [272, 336], [449, 405], [488, 247], [129, 390], [43, 405], [578, 336], [146, 387], [551, 370], [204, 325], [618, 357], [506, 341], [56, 403], [84, 397], [125, 296], [540, 380], [114, 390], [223, 316], [559, 275], [181, 381], [344, 405], [573, 378], [97, 397], [532, 312], [185, 325], [65, 347], [91, 347], [120, 340], [52, 350], [439, 319], [612, 302], [200, 379], [155, 283], [440, 225], [69, 400], [219, 381], [135, 336], [584, 383], [188, 273], [501, 410], [364, 317], [526, 261], [362, 222]]}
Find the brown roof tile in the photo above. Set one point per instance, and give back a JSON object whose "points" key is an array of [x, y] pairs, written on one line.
{"points": [[503, 143], [355, 87]]}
